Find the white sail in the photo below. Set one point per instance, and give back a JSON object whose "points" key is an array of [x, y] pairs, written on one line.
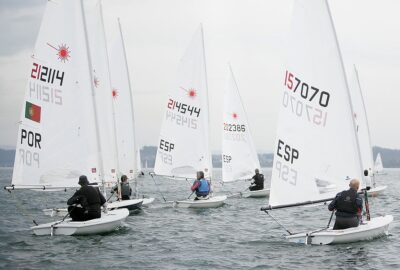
{"points": [[183, 147], [138, 162], [57, 133], [316, 147], [123, 105], [102, 84], [378, 164], [239, 157], [362, 127]]}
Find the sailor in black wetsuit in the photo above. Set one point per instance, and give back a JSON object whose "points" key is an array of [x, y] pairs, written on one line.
{"points": [[258, 181], [90, 199], [348, 205]]}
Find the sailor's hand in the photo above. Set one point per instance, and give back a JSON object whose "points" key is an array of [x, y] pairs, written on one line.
{"points": [[105, 210]]}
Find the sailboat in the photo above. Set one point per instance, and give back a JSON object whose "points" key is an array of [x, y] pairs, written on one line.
{"points": [[139, 170], [113, 120], [239, 157], [363, 133], [58, 137], [128, 153], [183, 147], [378, 165], [316, 134]]}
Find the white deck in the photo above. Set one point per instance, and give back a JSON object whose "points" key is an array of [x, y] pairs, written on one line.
{"points": [[212, 202], [107, 223], [256, 193], [376, 227]]}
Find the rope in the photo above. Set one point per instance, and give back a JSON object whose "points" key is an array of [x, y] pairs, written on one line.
{"points": [[289, 232], [158, 189]]}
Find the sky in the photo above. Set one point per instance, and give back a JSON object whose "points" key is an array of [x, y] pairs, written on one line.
{"points": [[249, 34]]}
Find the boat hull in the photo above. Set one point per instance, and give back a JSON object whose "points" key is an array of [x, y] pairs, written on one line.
{"points": [[256, 193], [147, 201], [131, 205], [376, 190], [376, 227], [212, 202], [107, 223]]}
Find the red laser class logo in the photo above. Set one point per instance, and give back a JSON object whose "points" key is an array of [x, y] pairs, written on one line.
{"points": [[63, 52], [96, 81], [114, 93], [191, 92]]}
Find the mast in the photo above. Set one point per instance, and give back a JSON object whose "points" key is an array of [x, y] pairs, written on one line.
{"points": [[366, 120], [208, 106], [347, 91], [130, 99], [113, 105], [99, 152]]}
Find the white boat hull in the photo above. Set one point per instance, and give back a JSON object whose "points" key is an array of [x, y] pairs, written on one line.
{"points": [[107, 223], [256, 193], [376, 190], [147, 201], [131, 205], [212, 202], [376, 227]]}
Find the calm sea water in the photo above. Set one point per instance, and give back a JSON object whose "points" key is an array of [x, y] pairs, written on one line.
{"points": [[235, 236]]}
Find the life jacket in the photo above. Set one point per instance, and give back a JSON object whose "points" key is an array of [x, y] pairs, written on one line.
{"points": [[125, 189], [204, 186], [347, 202], [259, 180]]}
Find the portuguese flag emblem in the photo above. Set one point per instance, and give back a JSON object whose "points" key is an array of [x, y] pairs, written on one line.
{"points": [[32, 112]]}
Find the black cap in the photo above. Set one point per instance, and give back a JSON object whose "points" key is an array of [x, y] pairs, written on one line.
{"points": [[83, 181]]}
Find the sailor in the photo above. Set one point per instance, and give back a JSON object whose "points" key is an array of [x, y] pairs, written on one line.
{"points": [[126, 190], [258, 181], [85, 203], [348, 205], [201, 186]]}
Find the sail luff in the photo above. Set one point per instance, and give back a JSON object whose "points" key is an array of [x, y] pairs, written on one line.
{"points": [[359, 161]]}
